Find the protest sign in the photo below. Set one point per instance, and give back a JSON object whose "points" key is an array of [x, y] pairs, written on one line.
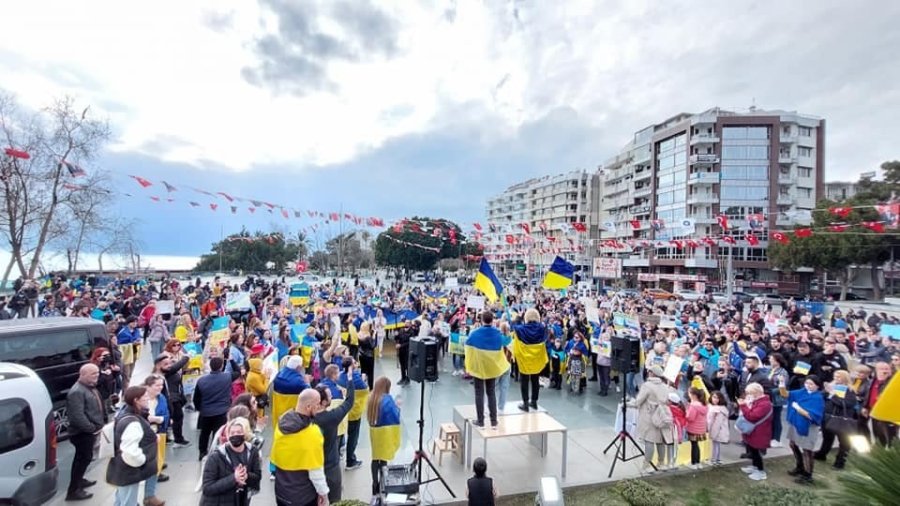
{"points": [[892, 331], [237, 301], [475, 302], [673, 368], [165, 306]]}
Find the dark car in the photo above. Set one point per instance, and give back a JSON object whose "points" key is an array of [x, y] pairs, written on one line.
{"points": [[55, 349]]}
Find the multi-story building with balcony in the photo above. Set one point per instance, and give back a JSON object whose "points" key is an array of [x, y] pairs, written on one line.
{"points": [[694, 167], [548, 206]]}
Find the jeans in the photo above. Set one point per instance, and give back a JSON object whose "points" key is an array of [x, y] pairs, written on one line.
{"points": [[458, 362], [376, 475], [352, 440], [156, 347], [531, 380], [480, 386], [127, 495], [502, 387], [334, 479], [150, 486], [776, 423], [84, 452], [603, 371], [208, 426], [828, 438], [631, 384]]}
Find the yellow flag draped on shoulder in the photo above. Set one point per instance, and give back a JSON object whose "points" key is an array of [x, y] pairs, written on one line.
{"points": [[887, 407]]}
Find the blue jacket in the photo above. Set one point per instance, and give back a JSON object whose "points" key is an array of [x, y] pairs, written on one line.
{"points": [[162, 409], [128, 336], [212, 395], [335, 391], [358, 382], [289, 381]]}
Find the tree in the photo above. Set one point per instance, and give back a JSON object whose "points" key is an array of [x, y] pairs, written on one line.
{"points": [[415, 246], [249, 252], [116, 237], [346, 250], [33, 190]]}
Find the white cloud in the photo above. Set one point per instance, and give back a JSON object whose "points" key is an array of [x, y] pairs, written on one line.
{"points": [[169, 73]]}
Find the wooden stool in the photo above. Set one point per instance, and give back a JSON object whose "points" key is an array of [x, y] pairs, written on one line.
{"points": [[447, 441]]}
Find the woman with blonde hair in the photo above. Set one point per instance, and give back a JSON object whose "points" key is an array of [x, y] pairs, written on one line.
{"points": [[383, 415], [530, 351], [184, 332]]}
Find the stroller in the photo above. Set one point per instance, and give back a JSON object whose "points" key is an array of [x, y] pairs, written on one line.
{"points": [[575, 372]]}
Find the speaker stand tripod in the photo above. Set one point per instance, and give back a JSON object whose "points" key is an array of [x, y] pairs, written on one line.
{"points": [[621, 440], [420, 454]]}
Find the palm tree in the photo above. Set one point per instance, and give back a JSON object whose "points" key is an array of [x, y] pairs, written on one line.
{"points": [[871, 478], [302, 244]]}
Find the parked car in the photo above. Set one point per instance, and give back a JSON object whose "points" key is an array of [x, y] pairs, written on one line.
{"points": [[719, 297], [847, 296], [55, 349], [660, 294], [418, 277], [690, 295], [28, 440]]}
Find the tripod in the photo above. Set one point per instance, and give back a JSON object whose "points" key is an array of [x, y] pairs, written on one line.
{"points": [[622, 439], [420, 454]]}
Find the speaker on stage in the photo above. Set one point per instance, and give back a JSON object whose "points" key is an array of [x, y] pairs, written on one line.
{"points": [[423, 359], [625, 354]]}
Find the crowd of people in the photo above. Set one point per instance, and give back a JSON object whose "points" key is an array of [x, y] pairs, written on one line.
{"points": [[806, 382]]}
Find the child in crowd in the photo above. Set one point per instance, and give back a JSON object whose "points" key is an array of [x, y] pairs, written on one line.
{"points": [[557, 358], [679, 422], [480, 488], [696, 423], [717, 424]]}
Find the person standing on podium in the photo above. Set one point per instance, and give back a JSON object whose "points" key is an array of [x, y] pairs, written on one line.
{"points": [[485, 362], [530, 350]]}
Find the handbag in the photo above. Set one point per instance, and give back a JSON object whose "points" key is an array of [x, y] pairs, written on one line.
{"points": [[841, 424], [746, 427]]}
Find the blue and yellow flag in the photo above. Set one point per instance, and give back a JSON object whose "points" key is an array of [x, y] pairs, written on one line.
{"points": [[530, 347], [887, 407], [384, 436], [487, 282], [484, 353], [560, 275]]}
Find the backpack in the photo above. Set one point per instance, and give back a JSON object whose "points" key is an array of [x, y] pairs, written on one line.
{"points": [[660, 416]]}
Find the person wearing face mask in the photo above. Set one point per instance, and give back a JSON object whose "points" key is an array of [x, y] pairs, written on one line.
{"points": [[232, 471], [135, 449], [805, 412], [298, 452]]}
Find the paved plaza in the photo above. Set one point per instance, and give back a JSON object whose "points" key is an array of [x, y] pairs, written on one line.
{"points": [[514, 463]]}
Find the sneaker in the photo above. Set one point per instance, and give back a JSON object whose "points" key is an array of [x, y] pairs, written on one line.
{"points": [[533, 405], [181, 444], [478, 423], [78, 495], [271, 477], [749, 469], [795, 472], [647, 468], [354, 465], [523, 407], [694, 467], [758, 475], [775, 443], [804, 480]]}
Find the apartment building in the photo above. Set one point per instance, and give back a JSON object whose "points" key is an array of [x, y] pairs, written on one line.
{"points": [[839, 191], [673, 179], [548, 206]]}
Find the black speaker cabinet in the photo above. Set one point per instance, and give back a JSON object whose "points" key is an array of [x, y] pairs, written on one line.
{"points": [[423, 359], [625, 354]]}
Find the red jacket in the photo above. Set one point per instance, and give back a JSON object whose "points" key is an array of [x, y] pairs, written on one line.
{"points": [[762, 434]]}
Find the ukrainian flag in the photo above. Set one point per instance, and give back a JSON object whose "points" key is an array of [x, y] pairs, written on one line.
{"points": [[530, 347], [487, 282], [887, 407], [385, 433], [484, 353], [560, 275]]}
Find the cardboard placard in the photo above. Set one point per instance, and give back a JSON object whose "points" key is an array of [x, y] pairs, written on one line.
{"points": [[475, 302], [673, 368], [165, 306], [892, 331], [237, 301]]}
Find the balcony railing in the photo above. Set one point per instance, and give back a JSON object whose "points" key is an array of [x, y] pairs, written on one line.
{"points": [[703, 159], [704, 138], [702, 198]]}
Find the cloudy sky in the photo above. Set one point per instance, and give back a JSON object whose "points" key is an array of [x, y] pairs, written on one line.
{"points": [[403, 108]]}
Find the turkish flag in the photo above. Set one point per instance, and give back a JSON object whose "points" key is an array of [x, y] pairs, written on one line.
{"points": [[722, 220], [843, 212], [838, 227], [579, 227], [803, 232], [728, 239], [477, 226], [510, 239], [874, 226], [141, 181], [526, 228], [17, 153], [635, 224], [751, 239], [213, 206], [676, 243], [780, 237], [398, 227]]}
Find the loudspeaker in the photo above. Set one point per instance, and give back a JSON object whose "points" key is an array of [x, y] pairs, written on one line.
{"points": [[423, 359], [625, 354]]}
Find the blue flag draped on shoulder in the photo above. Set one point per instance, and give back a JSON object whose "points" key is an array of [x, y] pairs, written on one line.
{"points": [[560, 275], [487, 282]]}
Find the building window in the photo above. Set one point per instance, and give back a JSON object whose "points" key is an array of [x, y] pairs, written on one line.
{"points": [[804, 192], [804, 171], [805, 131], [745, 193], [804, 151]]}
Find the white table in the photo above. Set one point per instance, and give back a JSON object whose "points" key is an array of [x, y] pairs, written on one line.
{"points": [[532, 424]]}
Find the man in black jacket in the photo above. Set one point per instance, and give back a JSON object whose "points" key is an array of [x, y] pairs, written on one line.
{"points": [[403, 337], [212, 398], [328, 421], [86, 417]]}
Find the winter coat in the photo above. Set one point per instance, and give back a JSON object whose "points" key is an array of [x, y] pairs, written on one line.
{"points": [[135, 450], [696, 418], [717, 423], [86, 412], [653, 392], [256, 380], [762, 434], [219, 485]]}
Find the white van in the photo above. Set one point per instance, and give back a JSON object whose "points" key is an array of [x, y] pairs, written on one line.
{"points": [[29, 472]]}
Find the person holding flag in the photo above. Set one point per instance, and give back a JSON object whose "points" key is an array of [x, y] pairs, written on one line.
{"points": [[487, 283], [530, 351], [485, 362]]}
